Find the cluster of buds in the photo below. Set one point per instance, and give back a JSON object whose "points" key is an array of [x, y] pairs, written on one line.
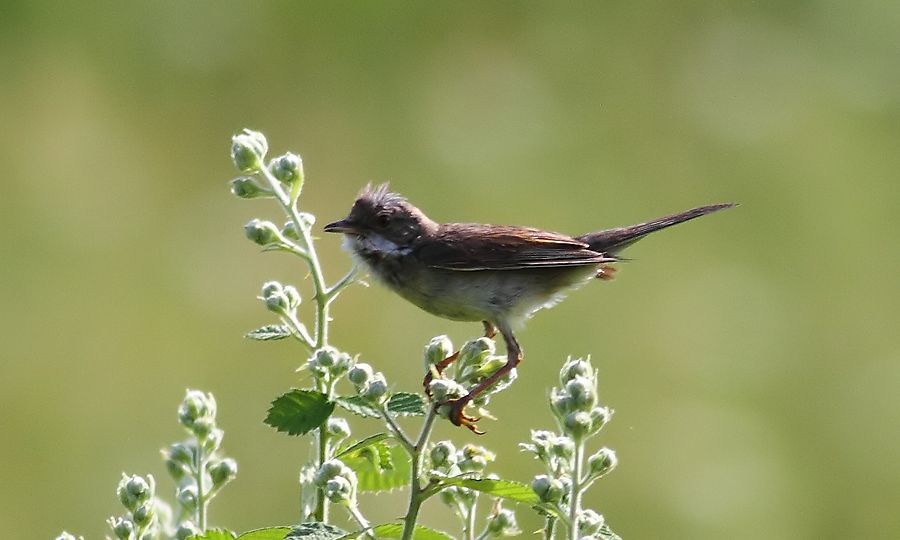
{"points": [[338, 482], [196, 464], [280, 299], [575, 402], [142, 519], [501, 522], [370, 385], [477, 360], [579, 415], [328, 364], [248, 152]]}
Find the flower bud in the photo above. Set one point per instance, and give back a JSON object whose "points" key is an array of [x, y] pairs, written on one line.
{"points": [[602, 462], [293, 296], [443, 454], [271, 287], [450, 496], [179, 458], [278, 302], [577, 424], [443, 390], [338, 490], [262, 232], [289, 232], [575, 367], [186, 529], [134, 490], [223, 471], [475, 352], [589, 523], [307, 219], [376, 390], [438, 349], [503, 523], [186, 496], [287, 168], [337, 428], [560, 402], [246, 187], [360, 374], [248, 149], [549, 490], [196, 406], [328, 470], [65, 535], [122, 527], [143, 514], [581, 392], [211, 437], [562, 447], [600, 416], [475, 458]]}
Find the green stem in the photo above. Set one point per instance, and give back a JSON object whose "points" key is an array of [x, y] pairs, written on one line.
{"points": [[575, 492], [469, 523], [360, 519], [199, 466], [549, 528], [417, 493]]}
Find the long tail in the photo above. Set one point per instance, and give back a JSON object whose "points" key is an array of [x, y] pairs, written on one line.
{"points": [[612, 241]]}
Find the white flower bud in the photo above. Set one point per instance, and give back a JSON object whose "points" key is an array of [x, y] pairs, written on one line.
{"points": [[600, 416], [186, 496], [123, 528], [575, 367], [287, 168], [223, 471], [186, 529], [246, 187], [443, 390], [360, 374], [338, 428], [293, 296], [503, 523], [196, 406], [328, 470], [443, 454], [338, 490], [547, 489], [376, 390], [438, 349], [248, 149], [143, 514], [602, 462], [262, 232], [577, 424], [589, 523], [581, 392], [134, 490]]}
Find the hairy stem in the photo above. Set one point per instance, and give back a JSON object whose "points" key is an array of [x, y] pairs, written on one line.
{"points": [[199, 466], [417, 493], [575, 492]]}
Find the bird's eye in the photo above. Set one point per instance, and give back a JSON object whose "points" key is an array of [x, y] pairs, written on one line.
{"points": [[383, 220]]}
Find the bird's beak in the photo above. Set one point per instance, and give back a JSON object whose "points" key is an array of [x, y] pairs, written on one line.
{"points": [[342, 226]]}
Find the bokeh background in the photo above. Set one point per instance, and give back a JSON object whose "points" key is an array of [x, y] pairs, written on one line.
{"points": [[752, 357]]}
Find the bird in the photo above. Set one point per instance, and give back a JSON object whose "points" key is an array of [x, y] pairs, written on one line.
{"points": [[497, 274]]}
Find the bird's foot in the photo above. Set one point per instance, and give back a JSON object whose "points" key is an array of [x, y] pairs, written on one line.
{"points": [[436, 370], [489, 329], [459, 418]]}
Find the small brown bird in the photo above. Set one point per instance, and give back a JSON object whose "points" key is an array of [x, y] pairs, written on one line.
{"points": [[496, 274]]}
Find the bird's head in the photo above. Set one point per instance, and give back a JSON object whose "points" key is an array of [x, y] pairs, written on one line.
{"points": [[383, 221]]}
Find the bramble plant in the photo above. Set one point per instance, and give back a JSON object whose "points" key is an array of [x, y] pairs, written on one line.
{"points": [[343, 469]]}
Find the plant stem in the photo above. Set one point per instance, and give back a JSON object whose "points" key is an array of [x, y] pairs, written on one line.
{"points": [[360, 519], [549, 527], [416, 491], [469, 524], [575, 492], [199, 466]]}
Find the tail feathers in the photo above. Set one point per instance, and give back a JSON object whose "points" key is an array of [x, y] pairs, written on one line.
{"points": [[612, 241]]}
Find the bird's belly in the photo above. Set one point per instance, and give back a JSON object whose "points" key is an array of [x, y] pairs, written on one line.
{"points": [[510, 295]]}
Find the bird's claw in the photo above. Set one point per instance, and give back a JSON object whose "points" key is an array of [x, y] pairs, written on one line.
{"points": [[459, 418], [436, 370]]}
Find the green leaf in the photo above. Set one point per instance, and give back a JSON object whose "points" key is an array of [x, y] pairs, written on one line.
{"points": [[315, 530], [269, 533], [358, 405], [504, 489], [391, 472], [552, 510], [406, 404], [213, 534], [351, 450], [395, 530], [299, 411], [270, 332]]}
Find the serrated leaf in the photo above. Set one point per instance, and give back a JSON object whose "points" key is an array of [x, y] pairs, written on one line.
{"points": [[315, 530], [299, 411], [504, 489], [359, 445], [269, 533], [406, 404], [395, 530], [552, 510], [392, 472], [213, 534], [270, 332], [358, 405]]}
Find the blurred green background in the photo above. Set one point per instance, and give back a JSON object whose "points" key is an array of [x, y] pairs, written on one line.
{"points": [[752, 357]]}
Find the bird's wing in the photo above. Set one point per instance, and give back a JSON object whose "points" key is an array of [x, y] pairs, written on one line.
{"points": [[463, 246]]}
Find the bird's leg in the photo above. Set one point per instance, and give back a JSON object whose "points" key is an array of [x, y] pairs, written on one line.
{"points": [[489, 332], [489, 329], [513, 357]]}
